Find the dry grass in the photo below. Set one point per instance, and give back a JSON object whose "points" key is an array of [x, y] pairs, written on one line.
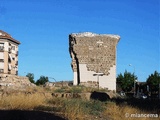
{"points": [[77, 89], [124, 112], [21, 101], [77, 109], [72, 109]]}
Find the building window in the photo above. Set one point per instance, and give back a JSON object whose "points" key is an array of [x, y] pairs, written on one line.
{"points": [[1, 60], [16, 72], [13, 47], [1, 70], [1, 46], [10, 57]]}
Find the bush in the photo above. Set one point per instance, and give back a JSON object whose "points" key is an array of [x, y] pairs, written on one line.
{"points": [[95, 107], [42, 80], [74, 109]]}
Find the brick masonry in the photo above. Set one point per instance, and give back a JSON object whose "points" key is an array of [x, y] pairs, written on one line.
{"points": [[94, 55]]}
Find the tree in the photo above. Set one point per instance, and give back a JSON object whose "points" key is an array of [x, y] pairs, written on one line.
{"points": [[42, 80], [126, 81], [30, 77], [153, 81]]}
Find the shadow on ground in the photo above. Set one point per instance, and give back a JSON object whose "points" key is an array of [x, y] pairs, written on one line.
{"points": [[150, 105], [101, 96], [27, 115]]}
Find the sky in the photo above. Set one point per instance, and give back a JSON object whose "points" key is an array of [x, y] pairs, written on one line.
{"points": [[43, 27]]}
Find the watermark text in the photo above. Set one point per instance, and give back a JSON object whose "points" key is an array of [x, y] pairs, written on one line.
{"points": [[139, 115]]}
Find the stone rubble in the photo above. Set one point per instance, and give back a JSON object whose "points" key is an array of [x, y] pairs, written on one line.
{"points": [[14, 82]]}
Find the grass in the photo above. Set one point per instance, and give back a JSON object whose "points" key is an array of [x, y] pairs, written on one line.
{"points": [[73, 108], [74, 89], [70, 108], [78, 89], [77, 108], [80, 109], [21, 101], [125, 112]]}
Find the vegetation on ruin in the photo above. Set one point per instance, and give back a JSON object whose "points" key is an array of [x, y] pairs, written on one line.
{"points": [[78, 89], [30, 77], [125, 81], [76, 108], [40, 98], [41, 81]]}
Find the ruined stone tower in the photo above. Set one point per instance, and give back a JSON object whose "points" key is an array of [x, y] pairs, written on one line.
{"points": [[94, 59]]}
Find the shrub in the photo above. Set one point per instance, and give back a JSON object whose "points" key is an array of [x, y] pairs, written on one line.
{"points": [[74, 109], [95, 107]]}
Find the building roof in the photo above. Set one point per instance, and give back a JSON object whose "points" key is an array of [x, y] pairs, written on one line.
{"points": [[5, 35]]}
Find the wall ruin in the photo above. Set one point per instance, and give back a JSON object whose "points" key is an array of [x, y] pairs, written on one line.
{"points": [[94, 55]]}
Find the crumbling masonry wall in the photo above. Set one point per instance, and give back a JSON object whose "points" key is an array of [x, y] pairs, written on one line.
{"points": [[14, 82], [94, 54]]}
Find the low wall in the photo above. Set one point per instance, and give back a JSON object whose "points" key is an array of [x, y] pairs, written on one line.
{"points": [[14, 82]]}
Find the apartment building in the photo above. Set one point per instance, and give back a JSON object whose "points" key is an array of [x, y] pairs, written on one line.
{"points": [[8, 54]]}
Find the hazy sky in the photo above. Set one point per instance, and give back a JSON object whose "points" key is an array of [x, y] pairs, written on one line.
{"points": [[43, 26]]}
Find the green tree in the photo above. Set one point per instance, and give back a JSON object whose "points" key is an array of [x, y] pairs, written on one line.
{"points": [[30, 77], [126, 81], [153, 81], [42, 80]]}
